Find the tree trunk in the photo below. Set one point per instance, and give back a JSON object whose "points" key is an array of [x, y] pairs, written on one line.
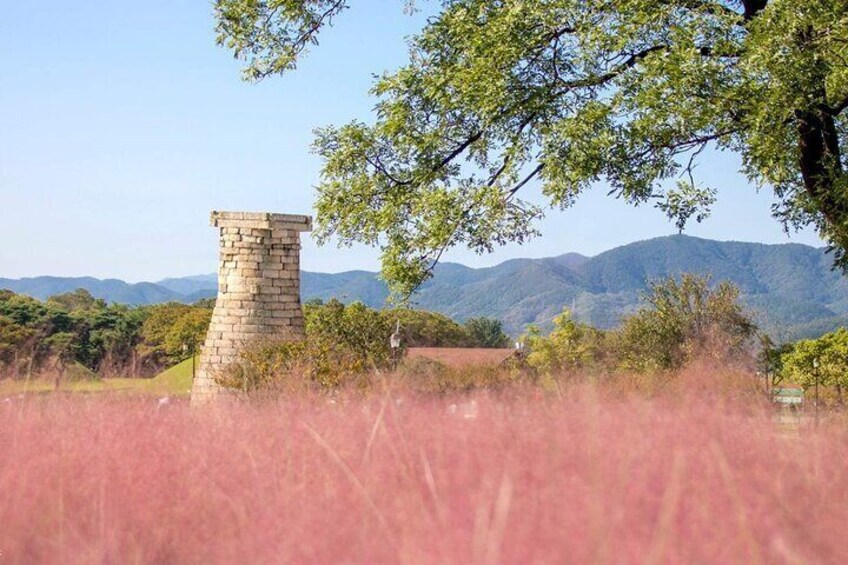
{"points": [[819, 154], [31, 362], [753, 7], [820, 161], [106, 364], [60, 373]]}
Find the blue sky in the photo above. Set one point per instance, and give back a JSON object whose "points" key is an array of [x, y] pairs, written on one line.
{"points": [[122, 125]]}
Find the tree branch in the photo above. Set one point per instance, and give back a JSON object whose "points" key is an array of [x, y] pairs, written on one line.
{"points": [[838, 108], [458, 150], [526, 179], [599, 80]]}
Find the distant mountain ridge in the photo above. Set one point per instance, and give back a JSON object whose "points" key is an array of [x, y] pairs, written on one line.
{"points": [[111, 290], [790, 286]]}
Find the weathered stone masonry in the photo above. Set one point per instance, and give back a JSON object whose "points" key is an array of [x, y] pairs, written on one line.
{"points": [[258, 290]]}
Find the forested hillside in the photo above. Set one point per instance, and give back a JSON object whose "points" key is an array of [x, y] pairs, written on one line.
{"points": [[792, 287]]}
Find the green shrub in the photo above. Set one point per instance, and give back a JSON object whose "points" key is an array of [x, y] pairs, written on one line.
{"points": [[570, 345], [684, 319]]}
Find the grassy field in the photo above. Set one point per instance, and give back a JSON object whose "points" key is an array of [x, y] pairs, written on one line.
{"points": [[175, 381], [699, 470], [391, 477]]}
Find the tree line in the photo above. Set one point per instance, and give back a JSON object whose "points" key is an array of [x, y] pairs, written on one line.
{"points": [[682, 319], [77, 331]]}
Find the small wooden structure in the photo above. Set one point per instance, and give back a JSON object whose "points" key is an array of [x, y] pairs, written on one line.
{"points": [[461, 357]]}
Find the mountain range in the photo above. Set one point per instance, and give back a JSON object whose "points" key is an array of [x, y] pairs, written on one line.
{"points": [[790, 288]]}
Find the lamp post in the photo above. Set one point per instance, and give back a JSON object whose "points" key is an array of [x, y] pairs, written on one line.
{"points": [[766, 350], [394, 342], [190, 349], [767, 375], [816, 374]]}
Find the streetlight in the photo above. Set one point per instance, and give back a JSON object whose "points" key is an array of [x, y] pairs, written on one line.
{"points": [[186, 349], [767, 374], [766, 347], [394, 342], [816, 372]]}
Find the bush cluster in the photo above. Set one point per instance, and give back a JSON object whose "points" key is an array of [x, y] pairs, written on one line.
{"points": [[108, 339], [683, 320], [347, 345]]}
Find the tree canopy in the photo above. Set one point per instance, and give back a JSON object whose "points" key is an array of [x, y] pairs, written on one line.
{"points": [[684, 319], [487, 332], [831, 353], [570, 345], [108, 339], [568, 93]]}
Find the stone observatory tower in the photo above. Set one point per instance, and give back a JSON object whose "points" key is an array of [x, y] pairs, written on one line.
{"points": [[258, 290]]}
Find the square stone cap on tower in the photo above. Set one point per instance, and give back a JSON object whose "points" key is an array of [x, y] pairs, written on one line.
{"points": [[260, 220]]}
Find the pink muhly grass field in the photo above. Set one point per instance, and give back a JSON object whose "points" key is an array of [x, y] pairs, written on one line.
{"points": [[513, 478]]}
